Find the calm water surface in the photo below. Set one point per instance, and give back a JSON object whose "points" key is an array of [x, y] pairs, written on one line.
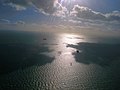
{"points": [[52, 61]]}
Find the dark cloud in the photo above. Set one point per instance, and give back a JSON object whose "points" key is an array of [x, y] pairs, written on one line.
{"points": [[47, 6]]}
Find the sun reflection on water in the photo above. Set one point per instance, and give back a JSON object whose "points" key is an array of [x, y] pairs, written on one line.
{"points": [[64, 66], [71, 39], [63, 54], [60, 50]]}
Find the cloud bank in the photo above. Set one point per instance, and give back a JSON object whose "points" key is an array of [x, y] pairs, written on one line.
{"points": [[54, 7], [77, 15], [46, 6], [86, 13]]}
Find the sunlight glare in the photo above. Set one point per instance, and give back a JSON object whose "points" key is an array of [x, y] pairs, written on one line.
{"points": [[67, 1], [72, 39]]}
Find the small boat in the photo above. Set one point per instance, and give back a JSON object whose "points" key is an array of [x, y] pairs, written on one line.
{"points": [[78, 51], [44, 39]]}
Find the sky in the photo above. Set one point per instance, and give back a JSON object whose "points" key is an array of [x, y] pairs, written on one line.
{"points": [[83, 13]]}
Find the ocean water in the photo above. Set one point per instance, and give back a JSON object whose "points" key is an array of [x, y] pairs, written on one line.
{"points": [[58, 61]]}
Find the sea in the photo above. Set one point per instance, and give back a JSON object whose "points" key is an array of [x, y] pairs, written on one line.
{"points": [[33, 60]]}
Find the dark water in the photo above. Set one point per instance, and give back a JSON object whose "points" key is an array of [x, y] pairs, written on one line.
{"points": [[52, 61]]}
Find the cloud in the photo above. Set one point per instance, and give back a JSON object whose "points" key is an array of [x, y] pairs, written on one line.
{"points": [[17, 7], [78, 15], [5, 21], [87, 13], [17, 2], [20, 22], [115, 15], [46, 6], [61, 11]]}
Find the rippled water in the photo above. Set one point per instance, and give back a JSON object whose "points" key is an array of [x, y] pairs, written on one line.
{"points": [[52, 61]]}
